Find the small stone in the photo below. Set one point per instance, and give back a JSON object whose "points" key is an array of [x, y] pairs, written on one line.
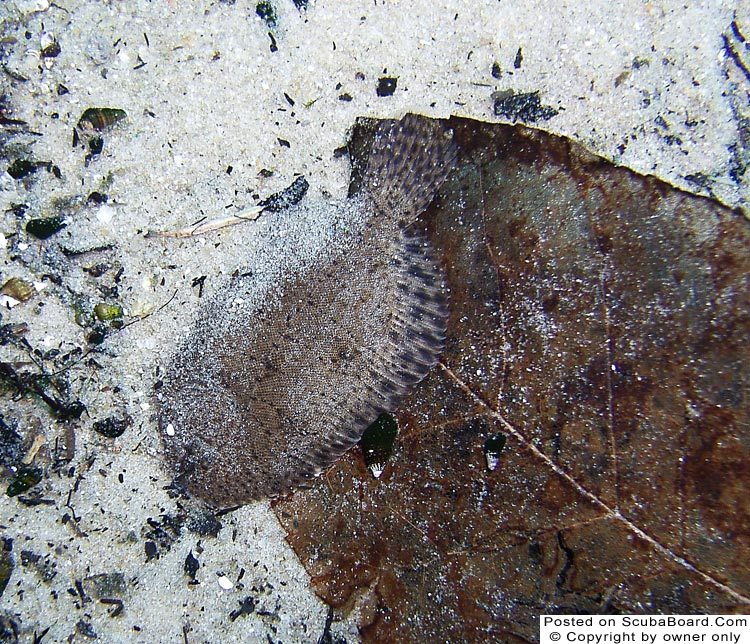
{"points": [[45, 227], [106, 312], [18, 289]]}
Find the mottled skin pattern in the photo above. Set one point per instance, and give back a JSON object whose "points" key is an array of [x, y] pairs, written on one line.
{"points": [[263, 407]]}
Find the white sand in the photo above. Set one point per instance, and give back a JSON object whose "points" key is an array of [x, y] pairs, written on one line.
{"points": [[211, 95]]}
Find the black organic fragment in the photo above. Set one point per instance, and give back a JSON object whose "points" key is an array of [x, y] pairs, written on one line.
{"points": [[96, 145], [112, 427], [36, 384], [386, 86], [11, 444], [6, 564], [70, 411], [199, 282], [247, 607], [97, 335], [326, 636], [21, 168], [163, 533], [33, 500], [118, 604], [8, 629], [86, 629], [525, 107], [287, 197], [700, 180], [152, 552], [97, 198], [266, 13], [191, 567]]}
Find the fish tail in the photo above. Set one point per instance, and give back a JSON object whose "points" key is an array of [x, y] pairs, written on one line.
{"points": [[408, 163]]}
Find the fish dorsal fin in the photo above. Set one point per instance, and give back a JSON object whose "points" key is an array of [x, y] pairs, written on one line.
{"points": [[413, 340]]}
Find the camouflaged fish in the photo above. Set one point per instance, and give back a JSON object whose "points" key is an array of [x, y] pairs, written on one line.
{"points": [[260, 406]]}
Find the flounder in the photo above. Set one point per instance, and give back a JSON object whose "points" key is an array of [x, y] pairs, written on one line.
{"points": [[260, 406]]}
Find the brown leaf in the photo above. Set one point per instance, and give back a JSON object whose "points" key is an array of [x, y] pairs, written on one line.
{"points": [[600, 321]]}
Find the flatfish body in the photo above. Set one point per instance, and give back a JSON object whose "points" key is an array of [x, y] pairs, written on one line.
{"points": [[258, 406]]}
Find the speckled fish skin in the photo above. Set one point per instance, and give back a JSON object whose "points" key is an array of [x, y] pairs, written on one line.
{"points": [[263, 405]]}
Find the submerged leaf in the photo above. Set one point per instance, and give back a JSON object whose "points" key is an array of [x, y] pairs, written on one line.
{"points": [[599, 320]]}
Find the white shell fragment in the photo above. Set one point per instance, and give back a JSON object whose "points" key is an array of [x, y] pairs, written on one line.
{"points": [[225, 582], [493, 460], [377, 469], [105, 214]]}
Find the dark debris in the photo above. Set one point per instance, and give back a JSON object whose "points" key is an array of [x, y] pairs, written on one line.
{"points": [[6, 564], [386, 86], [526, 107], [45, 227], [11, 444], [86, 629], [286, 198], [112, 427], [247, 607], [25, 478], [266, 12], [191, 567]]}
